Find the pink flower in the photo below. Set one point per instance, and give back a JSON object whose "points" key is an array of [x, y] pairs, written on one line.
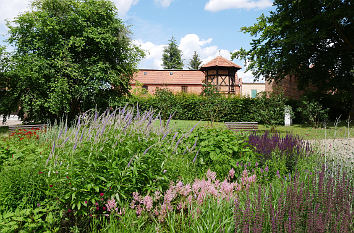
{"points": [[211, 175], [85, 202], [51, 185], [101, 194], [69, 210], [104, 208], [231, 173], [148, 202]]}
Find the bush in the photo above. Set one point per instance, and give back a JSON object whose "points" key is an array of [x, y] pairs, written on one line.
{"points": [[313, 113], [220, 150], [213, 108]]}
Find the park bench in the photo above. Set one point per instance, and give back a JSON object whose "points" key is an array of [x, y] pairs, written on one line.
{"points": [[237, 126], [13, 128]]}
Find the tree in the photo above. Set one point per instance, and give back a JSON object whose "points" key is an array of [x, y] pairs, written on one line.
{"points": [[70, 56], [172, 56], [312, 40], [195, 62]]}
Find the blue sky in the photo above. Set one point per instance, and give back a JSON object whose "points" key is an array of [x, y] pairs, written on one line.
{"points": [[210, 27]]}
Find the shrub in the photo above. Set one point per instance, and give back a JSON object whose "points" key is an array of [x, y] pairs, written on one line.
{"points": [[310, 203], [270, 146], [313, 113], [220, 150], [213, 108]]}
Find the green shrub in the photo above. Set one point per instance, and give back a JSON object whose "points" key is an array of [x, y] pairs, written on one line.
{"points": [[220, 150], [312, 112], [212, 108]]}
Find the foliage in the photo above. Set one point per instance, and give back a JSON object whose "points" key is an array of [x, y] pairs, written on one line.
{"points": [[271, 108], [213, 104], [43, 218], [318, 51], [313, 113], [21, 183], [291, 147], [214, 107], [172, 56], [307, 203], [195, 62], [164, 96], [220, 150], [69, 56], [6, 80]]}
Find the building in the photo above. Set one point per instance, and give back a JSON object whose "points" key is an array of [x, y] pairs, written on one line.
{"points": [[252, 89], [220, 72]]}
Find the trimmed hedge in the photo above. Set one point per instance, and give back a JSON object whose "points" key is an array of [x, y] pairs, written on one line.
{"points": [[193, 107]]}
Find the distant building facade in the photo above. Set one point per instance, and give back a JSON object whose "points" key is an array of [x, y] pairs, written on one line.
{"points": [[252, 89], [220, 72]]}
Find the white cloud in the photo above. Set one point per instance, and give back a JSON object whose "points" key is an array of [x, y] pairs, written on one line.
{"points": [[188, 44], [164, 3], [219, 5], [10, 9], [153, 58], [124, 6]]}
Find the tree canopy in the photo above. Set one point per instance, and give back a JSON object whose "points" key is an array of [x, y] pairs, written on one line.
{"points": [[195, 62], [312, 40], [70, 56], [172, 56]]}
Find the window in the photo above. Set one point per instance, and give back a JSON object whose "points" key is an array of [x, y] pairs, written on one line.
{"points": [[253, 93], [145, 73], [171, 73], [184, 89]]}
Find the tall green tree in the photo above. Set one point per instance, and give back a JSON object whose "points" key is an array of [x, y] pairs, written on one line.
{"points": [[70, 56], [195, 62], [313, 40], [172, 56]]}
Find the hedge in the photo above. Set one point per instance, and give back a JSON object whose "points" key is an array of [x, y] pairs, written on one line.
{"points": [[193, 107]]}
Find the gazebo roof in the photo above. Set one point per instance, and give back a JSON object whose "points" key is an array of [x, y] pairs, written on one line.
{"points": [[219, 61]]}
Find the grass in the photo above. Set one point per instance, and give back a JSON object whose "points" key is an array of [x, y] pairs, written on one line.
{"points": [[307, 132]]}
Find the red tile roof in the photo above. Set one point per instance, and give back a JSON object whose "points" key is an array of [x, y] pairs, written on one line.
{"points": [[178, 77], [220, 62], [163, 77]]}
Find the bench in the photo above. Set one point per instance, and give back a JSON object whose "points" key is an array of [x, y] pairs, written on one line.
{"points": [[236, 126], [13, 128]]}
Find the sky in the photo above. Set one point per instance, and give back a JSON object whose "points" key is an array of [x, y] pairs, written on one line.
{"points": [[210, 27]]}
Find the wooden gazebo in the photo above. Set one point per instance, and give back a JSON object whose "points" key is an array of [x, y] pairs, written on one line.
{"points": [[221, 73]]}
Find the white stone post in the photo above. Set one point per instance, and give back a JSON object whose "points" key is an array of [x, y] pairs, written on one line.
{"points": [[287, 116]]}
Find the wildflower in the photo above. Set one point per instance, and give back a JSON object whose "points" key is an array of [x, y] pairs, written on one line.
{"points": [[85, 202], [101, 194], [266, 169], [51, 185], [40, 172], [211, 175], [231, 173], [69, 210], [148, 203], [104, 208]]}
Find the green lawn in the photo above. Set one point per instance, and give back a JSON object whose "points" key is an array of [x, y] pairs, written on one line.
{"points": [[304, 131]]}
